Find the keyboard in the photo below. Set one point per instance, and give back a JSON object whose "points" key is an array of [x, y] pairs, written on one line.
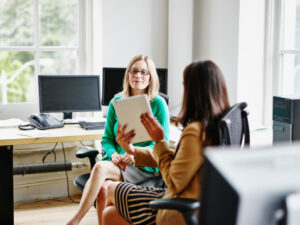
{"points": [[92, 125]]}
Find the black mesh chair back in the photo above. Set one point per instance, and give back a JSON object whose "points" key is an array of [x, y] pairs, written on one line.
{"points": [[234, 127], [164, 96]]}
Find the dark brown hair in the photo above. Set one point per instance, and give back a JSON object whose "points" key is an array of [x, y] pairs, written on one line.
{"points": [[205, 97]]}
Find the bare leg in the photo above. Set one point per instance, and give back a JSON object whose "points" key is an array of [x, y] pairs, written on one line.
{"points": [[110, 197], [101, 199], [105, 197], [102, 171], [112, 216]]}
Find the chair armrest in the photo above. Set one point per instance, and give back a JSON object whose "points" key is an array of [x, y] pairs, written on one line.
{"points": [[180, 204], [90, 153], [82, 153]]}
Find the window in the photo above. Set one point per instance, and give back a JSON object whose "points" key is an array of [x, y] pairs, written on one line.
{"points": [[39, 37], [282, 52], [289, 49]]}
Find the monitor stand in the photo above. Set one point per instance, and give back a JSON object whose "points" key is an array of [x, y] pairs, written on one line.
{"points": [[68, 118]]}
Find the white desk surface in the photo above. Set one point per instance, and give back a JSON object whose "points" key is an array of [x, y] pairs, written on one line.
{"points": [[15, 136]]}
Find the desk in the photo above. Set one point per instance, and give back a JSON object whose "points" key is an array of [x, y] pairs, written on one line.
{"points": [[13, 136]]}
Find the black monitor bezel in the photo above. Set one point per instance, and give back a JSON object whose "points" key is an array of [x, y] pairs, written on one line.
{"points": [[103, 81], [68, 76], [166, 79], [123, 68]]}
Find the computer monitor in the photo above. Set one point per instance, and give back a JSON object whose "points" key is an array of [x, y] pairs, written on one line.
{"points": [[249, 187], [69, 93], [112, 83], [163, 80]]}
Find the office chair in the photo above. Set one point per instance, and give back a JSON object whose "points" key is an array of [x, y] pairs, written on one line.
{"points": [[81, 180], [164, 96], [233, 129]]}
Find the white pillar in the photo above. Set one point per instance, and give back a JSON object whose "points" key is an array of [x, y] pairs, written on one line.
{"points": [[180, 47]]}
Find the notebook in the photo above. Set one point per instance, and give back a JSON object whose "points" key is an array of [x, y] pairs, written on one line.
{"points": [[129, 110]]}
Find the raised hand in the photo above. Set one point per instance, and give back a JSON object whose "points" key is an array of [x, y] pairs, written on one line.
{"points": [[153, 127], [124, 139]]}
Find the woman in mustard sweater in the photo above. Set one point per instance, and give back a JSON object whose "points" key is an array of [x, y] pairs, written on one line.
{"points": [[140, 78], [205, 101]]}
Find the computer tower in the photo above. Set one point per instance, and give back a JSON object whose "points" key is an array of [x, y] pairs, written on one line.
{"points": [[286, 119]]}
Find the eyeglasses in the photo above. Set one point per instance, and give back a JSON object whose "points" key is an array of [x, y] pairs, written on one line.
{"points": [[142, 72]]}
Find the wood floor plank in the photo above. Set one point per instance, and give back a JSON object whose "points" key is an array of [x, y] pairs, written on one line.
{"points": [[50, 212]]}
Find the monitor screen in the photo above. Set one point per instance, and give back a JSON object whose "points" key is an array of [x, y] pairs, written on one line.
{"points": [[163, 80], [69, 93], [249, 187], [112, 82]]}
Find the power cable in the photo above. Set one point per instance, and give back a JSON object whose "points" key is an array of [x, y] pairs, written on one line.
{"points": [[68, 188], [49, 152]]}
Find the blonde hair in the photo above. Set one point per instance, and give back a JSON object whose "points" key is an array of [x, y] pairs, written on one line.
{"points": [[153, 86]]}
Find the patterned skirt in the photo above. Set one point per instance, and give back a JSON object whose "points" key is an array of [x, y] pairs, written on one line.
{"points": [[132, 201]]}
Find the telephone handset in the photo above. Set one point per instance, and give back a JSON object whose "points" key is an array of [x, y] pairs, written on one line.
{"points": [[44, 121]]}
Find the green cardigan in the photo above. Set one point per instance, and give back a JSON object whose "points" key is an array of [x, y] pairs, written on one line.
{"points": [[109, 144]]}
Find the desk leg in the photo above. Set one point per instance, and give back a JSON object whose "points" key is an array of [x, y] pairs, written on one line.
{"points": [[6, 185]]}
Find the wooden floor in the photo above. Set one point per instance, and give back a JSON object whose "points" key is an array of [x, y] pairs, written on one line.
{"points": [[52, 212]]}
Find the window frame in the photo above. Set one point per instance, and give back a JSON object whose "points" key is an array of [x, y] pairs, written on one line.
{"points": [[274, 56], [84, 60]]}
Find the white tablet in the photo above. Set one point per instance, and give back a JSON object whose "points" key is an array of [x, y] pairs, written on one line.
{"points": [[129, 111]]}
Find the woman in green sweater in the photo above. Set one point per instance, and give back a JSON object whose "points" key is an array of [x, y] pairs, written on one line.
{"points": [[140, 78]]}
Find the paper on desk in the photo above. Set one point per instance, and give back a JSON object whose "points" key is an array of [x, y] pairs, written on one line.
{"points": [[34, 133]]}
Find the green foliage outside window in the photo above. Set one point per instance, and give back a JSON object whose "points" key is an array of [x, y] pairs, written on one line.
{"points": [[57, 28], [9, 64]]}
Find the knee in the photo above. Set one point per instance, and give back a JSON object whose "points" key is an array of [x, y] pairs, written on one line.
{"points": [[102, 193], [107, 214], [110, 187], [98, 168]]}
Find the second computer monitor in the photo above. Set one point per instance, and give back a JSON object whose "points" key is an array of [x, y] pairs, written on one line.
{"points": [[112, 82], [69, 93]]}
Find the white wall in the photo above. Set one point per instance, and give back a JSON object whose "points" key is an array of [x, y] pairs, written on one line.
{"points": [[134, 27], [231, 33], [251, 58], [31, 187], [180, 48], [216, 38], [175, 33], [161, 29]]}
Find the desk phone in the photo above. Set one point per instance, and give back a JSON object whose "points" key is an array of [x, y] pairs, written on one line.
{"points": [[44, 121]]}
